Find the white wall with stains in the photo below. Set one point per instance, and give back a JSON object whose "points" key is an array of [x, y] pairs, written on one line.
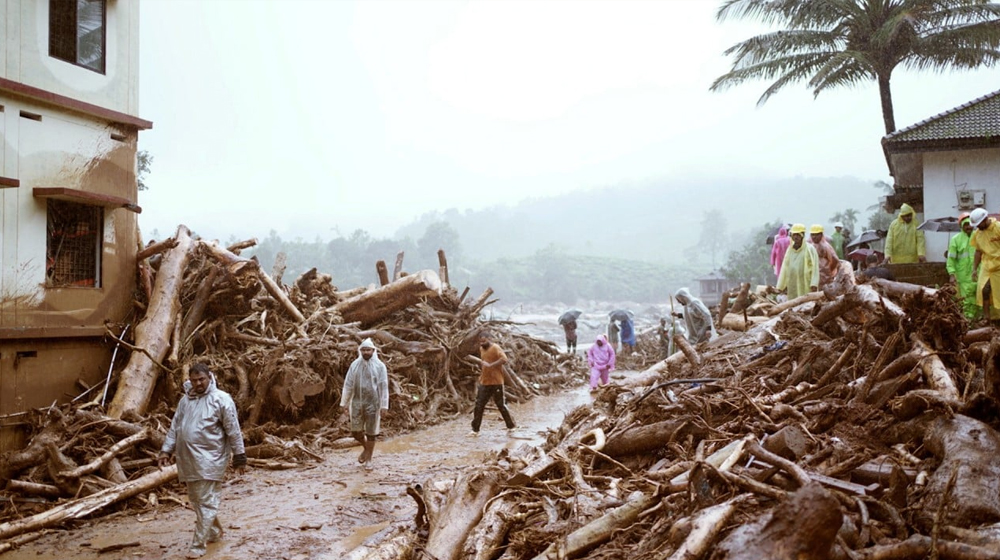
{"points": [[947, 172], [24, 52]]}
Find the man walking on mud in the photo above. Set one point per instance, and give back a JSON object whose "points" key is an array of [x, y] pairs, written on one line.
{"points": [[204, 432], [490, 383], [366, 395]]}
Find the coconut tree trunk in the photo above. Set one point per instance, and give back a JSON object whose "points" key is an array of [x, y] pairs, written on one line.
{"points": [[885, 94]]}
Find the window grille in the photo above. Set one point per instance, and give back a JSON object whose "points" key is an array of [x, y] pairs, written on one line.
{"points": [[73, 245]]}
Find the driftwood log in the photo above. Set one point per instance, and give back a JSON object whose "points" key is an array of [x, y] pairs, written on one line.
{"points": [[152, 334]]}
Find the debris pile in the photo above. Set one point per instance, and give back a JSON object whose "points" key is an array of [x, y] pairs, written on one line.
{"points": [[858, 423], [282, 354]]}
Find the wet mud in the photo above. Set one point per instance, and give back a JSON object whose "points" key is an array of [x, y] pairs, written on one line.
{"points": [[319, 512]]}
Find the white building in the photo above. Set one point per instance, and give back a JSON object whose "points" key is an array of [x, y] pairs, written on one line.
{"points": [[947, 164], [69, 82]]}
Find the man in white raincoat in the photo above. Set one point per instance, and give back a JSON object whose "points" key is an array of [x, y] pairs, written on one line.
{"points": [[204, 433], [697, 316], [366, 395]]}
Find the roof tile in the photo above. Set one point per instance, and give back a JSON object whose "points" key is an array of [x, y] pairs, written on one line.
{"points": [[979, 118]]}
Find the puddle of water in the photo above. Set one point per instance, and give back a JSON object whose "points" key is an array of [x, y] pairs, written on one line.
{"points": [[341, 548]]}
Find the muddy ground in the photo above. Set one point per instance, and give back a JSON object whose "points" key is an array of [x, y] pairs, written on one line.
{"points": [[319, 512]]}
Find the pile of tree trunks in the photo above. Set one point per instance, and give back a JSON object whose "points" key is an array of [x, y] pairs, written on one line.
{"points": [[857, 423], [280, 351]]}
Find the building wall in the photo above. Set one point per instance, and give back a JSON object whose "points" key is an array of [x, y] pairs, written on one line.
{"points": [[24, 51], [70, 151], [35, 373], [947, 172], [52, 337]]}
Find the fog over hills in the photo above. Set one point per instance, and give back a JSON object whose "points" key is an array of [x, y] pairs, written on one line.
{"points": [[654, 221]]}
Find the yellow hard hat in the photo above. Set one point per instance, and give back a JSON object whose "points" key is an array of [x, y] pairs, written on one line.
{"points": [[798, 228], [815, 228]]}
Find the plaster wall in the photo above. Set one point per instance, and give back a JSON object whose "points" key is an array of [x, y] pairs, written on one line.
{"points": [[25, 52], [945, 173], [70, 151]]}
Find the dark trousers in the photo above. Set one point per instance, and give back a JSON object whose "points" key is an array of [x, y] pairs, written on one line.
{"points": [[483, 394], [571, 346]]}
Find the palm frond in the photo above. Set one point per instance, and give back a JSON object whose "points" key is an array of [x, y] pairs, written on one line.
{"points": [[781, 44], [843, 69], [834, 43], [769, 12]]}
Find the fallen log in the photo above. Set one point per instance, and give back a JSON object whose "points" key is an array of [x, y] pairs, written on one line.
{"points": [[689, 352], [705, 528], [935, 372], [197, 309], [734, 322], [156, 248], [138, 378], [806, 298], [653, 373], [392, 543], [968, 449], [921, 546], [235, 248], [107, 456], [76, 509], [643, 439], [450, 524], [278, 293], [542, 465], [34, 489], [488, 535], [373, 306], [599, 530], [802, 528], [899, 289], [983, 334]]}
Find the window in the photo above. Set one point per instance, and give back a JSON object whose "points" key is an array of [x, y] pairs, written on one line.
{"points": [[73, 245], [77, 30]]}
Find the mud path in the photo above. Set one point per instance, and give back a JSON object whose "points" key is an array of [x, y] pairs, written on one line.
{"points": [[319, 512]]}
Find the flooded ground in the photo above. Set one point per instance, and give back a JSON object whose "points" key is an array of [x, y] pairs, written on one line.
{"points": [[319, 512]]}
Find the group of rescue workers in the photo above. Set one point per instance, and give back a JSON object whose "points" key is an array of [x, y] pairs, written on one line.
{"points": [[972, 260]]}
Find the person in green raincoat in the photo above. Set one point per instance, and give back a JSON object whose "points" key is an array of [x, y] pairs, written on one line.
{"points": [[837, 240], [800, 269], [959, 263], [905, 243]]}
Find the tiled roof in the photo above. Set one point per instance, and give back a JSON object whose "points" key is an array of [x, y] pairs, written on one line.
{"points": [[979, 118]]}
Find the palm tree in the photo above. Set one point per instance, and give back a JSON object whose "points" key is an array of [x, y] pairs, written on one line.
{"points": [[834, 43]]}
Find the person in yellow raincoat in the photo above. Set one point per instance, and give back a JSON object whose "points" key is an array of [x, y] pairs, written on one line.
{"points": [[800, 269], [986, 241], [905, 243]]}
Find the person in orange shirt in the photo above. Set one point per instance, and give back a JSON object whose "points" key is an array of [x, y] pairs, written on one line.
{"points": [[490, 383]]}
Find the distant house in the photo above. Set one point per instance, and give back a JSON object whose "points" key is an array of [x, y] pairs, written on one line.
{"points": [[947, 164], [68, 230], [712, 286]]}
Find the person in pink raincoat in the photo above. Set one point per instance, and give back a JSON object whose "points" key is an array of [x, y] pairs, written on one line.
{"points": [[601, 359], [778, 249]]}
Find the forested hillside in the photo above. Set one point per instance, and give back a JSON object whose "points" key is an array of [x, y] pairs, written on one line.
{"points": [[637, 243]]}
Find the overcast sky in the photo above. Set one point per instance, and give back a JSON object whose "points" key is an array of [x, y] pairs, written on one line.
{"points": [[316, 117]]}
